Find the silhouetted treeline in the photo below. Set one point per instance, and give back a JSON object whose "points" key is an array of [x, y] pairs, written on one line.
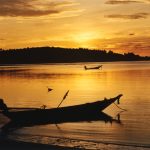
{"points": [[58, 55]]}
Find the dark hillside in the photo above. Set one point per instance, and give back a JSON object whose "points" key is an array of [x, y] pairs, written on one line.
{"points": [[58, 55]]}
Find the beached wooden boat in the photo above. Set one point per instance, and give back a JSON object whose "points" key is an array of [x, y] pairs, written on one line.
{"points": [[58, 114], [90, 68]]}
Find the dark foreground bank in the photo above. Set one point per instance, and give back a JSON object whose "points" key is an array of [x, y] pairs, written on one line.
{"points": [[17, 145]]}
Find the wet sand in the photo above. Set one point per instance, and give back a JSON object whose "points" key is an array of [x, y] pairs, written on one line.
{"points": [[17, 145]]}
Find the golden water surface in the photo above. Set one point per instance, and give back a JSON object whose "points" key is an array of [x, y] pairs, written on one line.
{"points": [[26, 86]]}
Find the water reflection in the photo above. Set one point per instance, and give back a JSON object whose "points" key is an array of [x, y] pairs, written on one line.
{"points": [[27, 85], [13, 125]]}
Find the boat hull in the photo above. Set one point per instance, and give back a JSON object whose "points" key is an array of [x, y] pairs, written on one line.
{"points": [[55, 114]]}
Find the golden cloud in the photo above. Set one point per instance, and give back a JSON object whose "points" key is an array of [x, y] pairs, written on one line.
{"points": [[114, 2], [130, 16], [34, 8]]}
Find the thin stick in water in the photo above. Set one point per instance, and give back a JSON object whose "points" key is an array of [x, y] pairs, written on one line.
{"points": [[63, 98]]}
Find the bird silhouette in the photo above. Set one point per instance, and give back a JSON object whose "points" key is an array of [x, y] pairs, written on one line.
{"points": [[49, 89]]}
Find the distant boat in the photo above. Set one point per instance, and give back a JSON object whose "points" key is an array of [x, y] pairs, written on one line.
{"points": [[90, 68], [58, 115]]}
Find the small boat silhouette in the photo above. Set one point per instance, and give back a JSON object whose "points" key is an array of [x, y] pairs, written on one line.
{"points": [[90, 68]]}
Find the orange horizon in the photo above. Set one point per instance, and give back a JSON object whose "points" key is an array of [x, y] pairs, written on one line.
{"points": [[115, 25]]}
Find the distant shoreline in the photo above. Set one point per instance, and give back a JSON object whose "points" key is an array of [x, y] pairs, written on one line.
{"points": [[38, 55], [12, 64], [66, 63]]}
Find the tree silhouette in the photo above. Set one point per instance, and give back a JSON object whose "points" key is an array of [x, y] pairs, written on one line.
{"points": [[62, 55]]}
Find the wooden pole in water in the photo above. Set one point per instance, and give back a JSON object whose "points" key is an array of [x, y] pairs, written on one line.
{"points": [[63, 98]]}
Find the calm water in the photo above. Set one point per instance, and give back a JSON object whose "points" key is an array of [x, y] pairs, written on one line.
{"points": [[26, 85]]}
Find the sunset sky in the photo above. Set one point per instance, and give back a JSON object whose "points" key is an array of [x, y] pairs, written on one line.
{"points": [[118, 25]]}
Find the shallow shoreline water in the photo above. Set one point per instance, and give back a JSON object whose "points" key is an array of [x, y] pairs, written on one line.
{"points": [[64, 144]]}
